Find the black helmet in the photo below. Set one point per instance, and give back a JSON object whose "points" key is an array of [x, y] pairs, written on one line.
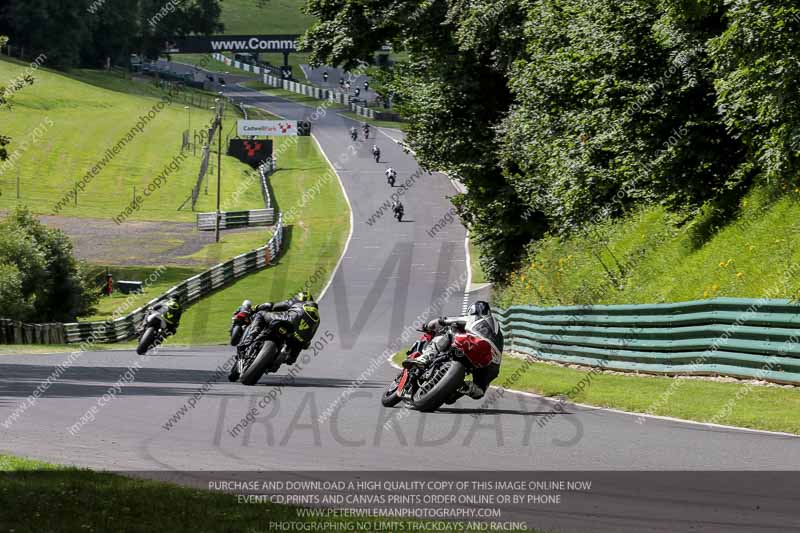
{"points": [[480, 308]]}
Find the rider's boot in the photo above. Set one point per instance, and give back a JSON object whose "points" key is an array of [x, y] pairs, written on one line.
{"points": [[473, 391], [422, 360]]}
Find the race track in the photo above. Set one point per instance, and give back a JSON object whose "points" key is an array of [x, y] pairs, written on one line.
{"points": [[390, 274]]}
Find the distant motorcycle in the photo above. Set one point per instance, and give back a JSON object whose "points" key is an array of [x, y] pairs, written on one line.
{"points": [[376, 152], [354, 135], [390, 179], [240, 320]]}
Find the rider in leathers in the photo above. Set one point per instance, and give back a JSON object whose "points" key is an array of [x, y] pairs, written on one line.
{"points": [[290, 310], [443, 338]]}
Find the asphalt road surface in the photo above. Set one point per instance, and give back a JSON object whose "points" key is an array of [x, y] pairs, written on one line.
{"points": [[391, 273]]}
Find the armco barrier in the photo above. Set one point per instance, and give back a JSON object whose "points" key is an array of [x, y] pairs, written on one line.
{"points": [[13, 332], [192, 289], [745, 338], [236, 219], [299, 88]]}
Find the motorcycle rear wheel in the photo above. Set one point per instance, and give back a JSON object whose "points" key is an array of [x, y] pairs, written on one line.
{"points": [[262, 363], [437, 390]]}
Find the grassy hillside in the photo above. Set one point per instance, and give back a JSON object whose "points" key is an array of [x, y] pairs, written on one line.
{"points": [[274, 17], [648, 257], [61, 127]]}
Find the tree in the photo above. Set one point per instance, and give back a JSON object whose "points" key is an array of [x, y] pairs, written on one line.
{"points": [[41, 280], [87, 32], [616, 105], [452, 89], [755, 60]]}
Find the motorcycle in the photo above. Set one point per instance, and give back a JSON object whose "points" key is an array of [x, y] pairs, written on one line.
{"points": [[241, 319], [366, 133], [153, 331], [354, 135], [441, 380], [274, 345], [377, 154], [398, 214], [390, 179]]}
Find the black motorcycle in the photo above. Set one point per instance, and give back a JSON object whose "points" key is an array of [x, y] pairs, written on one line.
{"points": [[354, 135], [153, 331], [390, 179], [277, 343]]}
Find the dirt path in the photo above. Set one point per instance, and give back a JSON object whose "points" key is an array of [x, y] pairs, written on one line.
{"points": [[103, 242]]}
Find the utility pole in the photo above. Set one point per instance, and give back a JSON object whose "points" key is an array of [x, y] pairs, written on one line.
{"points": [[220, 107]]}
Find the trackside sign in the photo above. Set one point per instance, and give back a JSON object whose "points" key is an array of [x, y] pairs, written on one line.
{"points": [[266, 128], [233, 43]]}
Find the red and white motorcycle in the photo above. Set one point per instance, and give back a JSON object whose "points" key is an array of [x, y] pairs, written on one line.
{"points": [[473, 344]]}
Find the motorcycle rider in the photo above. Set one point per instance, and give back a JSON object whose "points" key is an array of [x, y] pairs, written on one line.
{"points": [[353, 133], [442, 340], [365, 127], [376, 152], [170, 310], [292, 310], [397, 208], [391, 175]]}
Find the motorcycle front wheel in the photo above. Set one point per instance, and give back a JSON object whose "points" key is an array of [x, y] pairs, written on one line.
{"points": [[390, 397], [262, 362], [147, 340], [236, 334], [445, 381]]}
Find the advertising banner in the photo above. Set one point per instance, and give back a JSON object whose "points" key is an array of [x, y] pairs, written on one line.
{"points": [[266, 128]]}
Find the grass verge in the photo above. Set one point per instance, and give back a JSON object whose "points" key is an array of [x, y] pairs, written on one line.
{"points": [[402, 126], [478, 276], [739, 403]]}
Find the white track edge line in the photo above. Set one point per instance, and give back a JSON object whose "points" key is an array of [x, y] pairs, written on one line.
{"points": [[638, 415]]}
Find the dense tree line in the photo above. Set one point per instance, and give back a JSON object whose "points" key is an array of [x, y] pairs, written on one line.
{"points": [[560, 113], [89, 32]]}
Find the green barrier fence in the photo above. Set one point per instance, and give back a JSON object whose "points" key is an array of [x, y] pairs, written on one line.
{"points": [[745, 338]]}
